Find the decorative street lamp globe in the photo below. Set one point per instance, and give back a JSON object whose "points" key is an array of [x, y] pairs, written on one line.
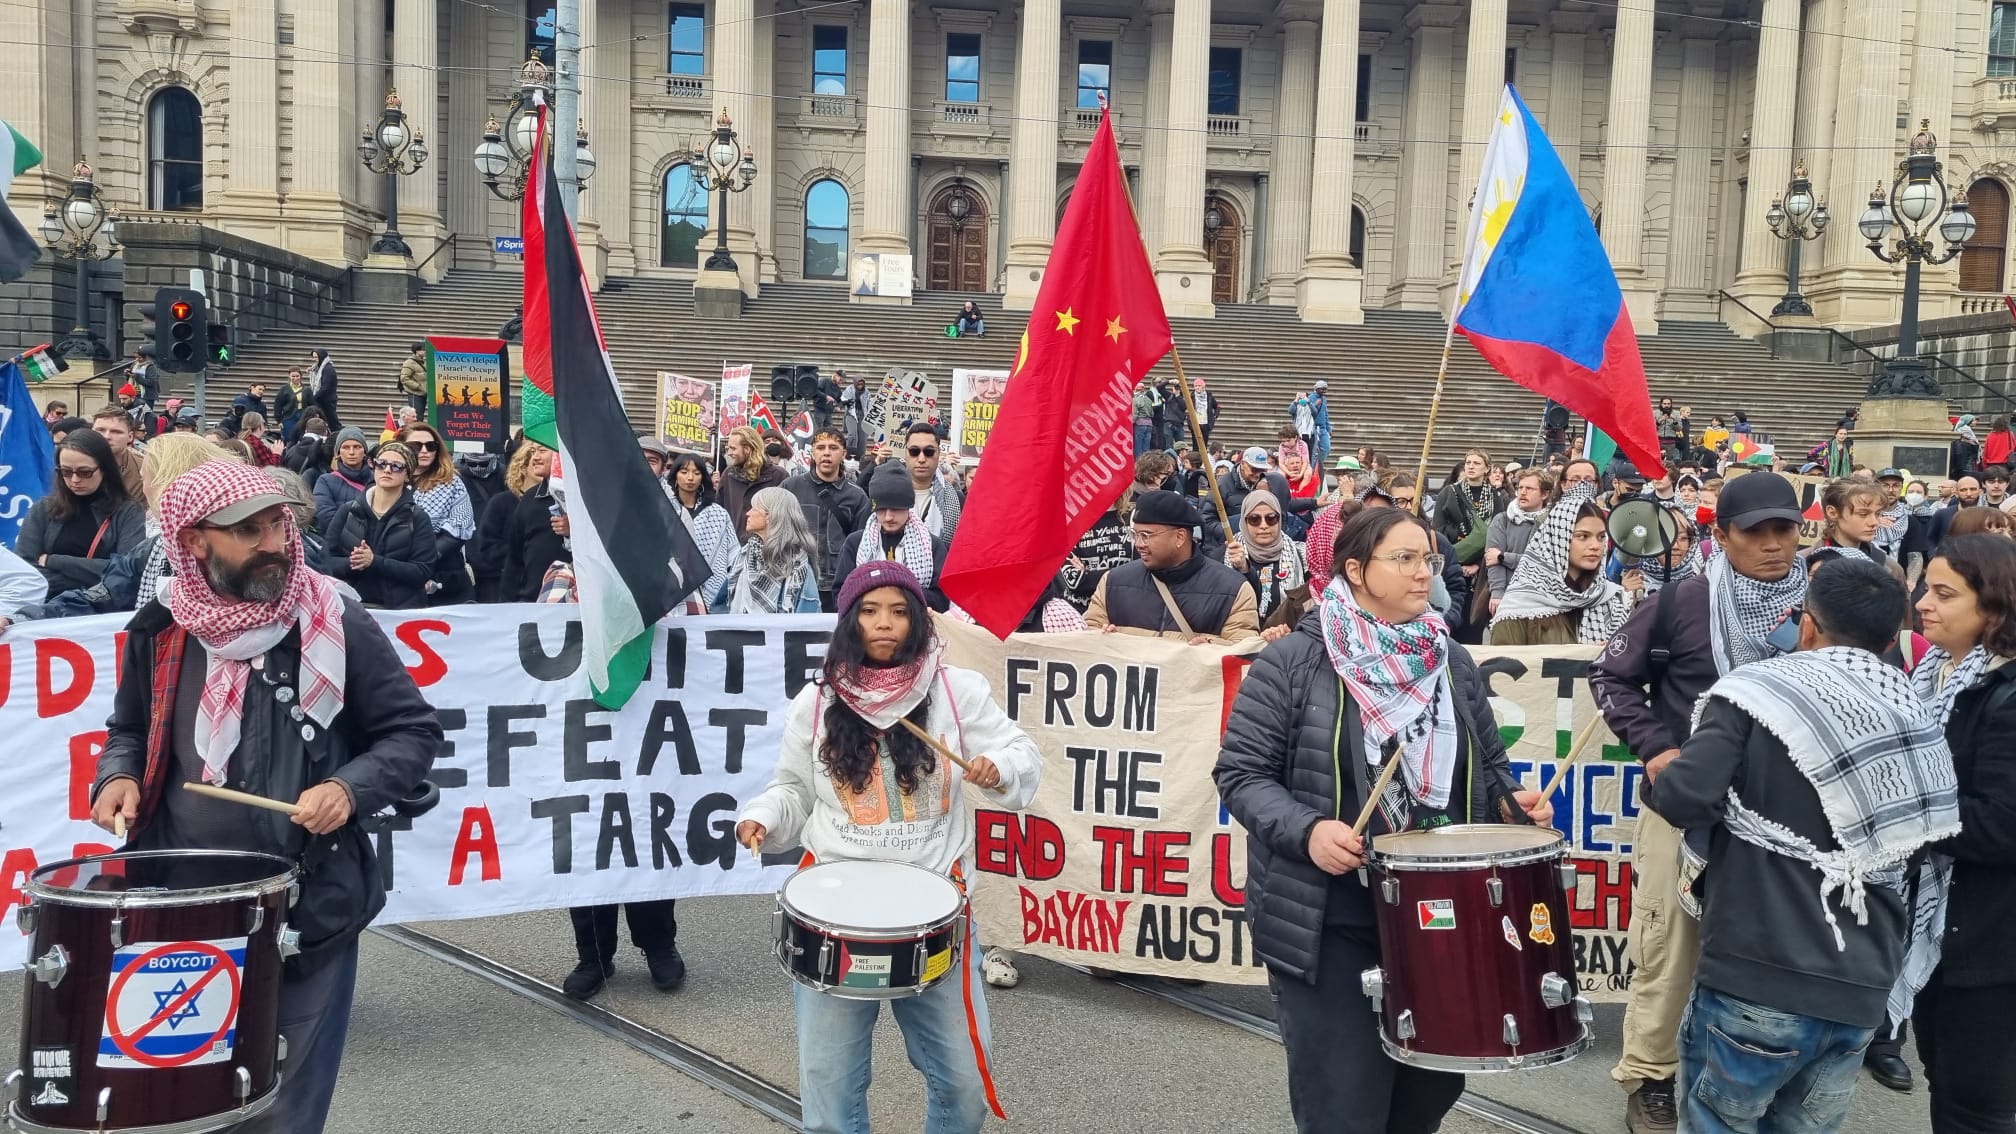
{"points": [[1919, 201], [492, 159], [722, 166], [504, 157], [584, 158], [1875, 220], [81, 227], [390, 147]]}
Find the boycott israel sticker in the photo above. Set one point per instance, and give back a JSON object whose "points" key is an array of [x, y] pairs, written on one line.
{"points": [[173, 1004], [1437, 914]]}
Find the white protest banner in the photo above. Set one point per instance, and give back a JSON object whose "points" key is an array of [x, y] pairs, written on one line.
{"points": [[734, 397], [976, 398], [686, 416], [546, 800], [905, 395]]}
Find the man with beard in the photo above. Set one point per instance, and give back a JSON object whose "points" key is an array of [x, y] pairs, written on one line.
{"points": [[1966, 494], [835, 508], [249, 671], [1672, 648], [1173, 590]]}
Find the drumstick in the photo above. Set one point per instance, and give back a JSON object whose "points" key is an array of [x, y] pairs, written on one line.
{"points": [[119, 824], [246, 798], [936, 744], [1574, 754], [1378, 789]]}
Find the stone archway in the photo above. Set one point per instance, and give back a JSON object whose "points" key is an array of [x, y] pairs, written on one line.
{"points": [[957, 243], [1224, 246]]}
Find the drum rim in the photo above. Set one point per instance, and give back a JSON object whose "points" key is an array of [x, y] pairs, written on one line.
{"points": [[1486, 1064], [17, 1118], [1557, 847], [872, 936], [39, 890]]}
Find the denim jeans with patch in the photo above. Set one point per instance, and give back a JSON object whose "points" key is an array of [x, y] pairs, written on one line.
{"points": [[1749, 1069]]}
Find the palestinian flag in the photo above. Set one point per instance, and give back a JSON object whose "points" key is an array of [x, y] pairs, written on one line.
{"points": [[634, 561], [18, 247], [1748, 452], [761, 415]]}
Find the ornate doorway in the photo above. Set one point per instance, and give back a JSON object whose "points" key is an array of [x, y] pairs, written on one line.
{"points": [[958, 241], [1222, 243]]}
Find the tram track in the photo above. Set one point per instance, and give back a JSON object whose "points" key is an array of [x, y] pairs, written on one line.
{"points": [[781, 1106]]}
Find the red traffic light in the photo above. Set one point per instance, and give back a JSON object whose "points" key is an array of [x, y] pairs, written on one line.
{"points": [[179, 309]]}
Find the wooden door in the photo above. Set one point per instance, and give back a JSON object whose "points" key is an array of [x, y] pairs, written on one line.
{"points": [[957, 252], [1224, 252]]}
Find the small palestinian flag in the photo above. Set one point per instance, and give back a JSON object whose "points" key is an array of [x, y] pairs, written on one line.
{"points": [[762, 416], [18, 247], [1749, 452]]}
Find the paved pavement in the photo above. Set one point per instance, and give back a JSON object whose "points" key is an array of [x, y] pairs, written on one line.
{"points": [[438, 1049]]}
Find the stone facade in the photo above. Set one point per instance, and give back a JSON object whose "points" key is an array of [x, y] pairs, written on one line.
{"points": [[1337, 160]]}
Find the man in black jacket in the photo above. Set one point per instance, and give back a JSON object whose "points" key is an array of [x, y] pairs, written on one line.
{"points": [[896, 533], [316, 708], [1172, 576], [835, 508], [1646, 683], [1820, 769]]}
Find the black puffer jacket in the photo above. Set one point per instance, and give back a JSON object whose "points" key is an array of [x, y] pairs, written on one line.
{"points": [[1278, 774], [402, 551], [1982, 918]]}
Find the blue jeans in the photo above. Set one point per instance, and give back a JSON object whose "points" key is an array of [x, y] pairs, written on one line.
{"points": [[1748, 1069], [315, 1020], [1144, 437], [835, 1039]]}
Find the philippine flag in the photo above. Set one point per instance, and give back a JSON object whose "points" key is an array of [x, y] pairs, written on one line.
{"points": [[1538, 297]]}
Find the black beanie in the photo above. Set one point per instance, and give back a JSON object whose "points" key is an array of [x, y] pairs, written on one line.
{"points": [[1164, 507]]}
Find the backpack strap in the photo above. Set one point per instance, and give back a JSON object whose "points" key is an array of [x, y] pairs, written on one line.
{"points": [[1660, 653]]}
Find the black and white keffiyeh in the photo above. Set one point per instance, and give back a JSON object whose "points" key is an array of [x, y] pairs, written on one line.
{"points": [[1875, 754], [759, 586], [914, 551], [1742, 611], [447, 507], [1539, 586]]}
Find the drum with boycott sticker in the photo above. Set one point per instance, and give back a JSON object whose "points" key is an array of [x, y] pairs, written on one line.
{"points": [[1476, 966], [870, 930], [153, 1001]]}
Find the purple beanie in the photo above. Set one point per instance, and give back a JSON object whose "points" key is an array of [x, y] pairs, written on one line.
{"points": [[879, 573]]}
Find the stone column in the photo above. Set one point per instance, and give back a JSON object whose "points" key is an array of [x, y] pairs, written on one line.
{"points": [[1331, 287], [605, 105], [39, 104], [325, 137], [1762, 274], [1483, 87], [255, 109], [762, 136], [1625, 159], [473, 213], [1932, 99], [416, 60], [1857, 289], [1032, 152], [1565, 85], [1687, 292], [1294, 146], [1155, 138], [1182, 271], [1426, 205], [734, 74], [884, 223]]}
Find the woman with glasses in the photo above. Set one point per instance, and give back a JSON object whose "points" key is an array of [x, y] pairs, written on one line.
{"points": [[440, 493], [86, 518], [1272, 563], [1371, 675], [381, 543], [1558, 595]]}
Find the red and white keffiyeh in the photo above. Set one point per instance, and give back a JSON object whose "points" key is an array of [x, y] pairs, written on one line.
{"points": [[883, 695], [234, 632]]}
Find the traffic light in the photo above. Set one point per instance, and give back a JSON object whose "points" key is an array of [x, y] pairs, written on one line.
{"points": [[223, 351], [180, 334]]}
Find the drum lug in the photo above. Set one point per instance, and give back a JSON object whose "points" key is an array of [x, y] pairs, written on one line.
{"points": [[119, 931], [923, 957], [255, 919], [24, 919], [104, 1105], [1389, 889], [1568, 876], [1556, 991], [1404, 1026], [50, 967], [1373, 983], [1511, 1030], [242, 1086], [293, 894], [290, 943], [10, 1088], [1583, 1012], [1494, 887], [281, 1055], [826, 959]]}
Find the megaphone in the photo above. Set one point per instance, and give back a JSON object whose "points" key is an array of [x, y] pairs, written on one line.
{"points": [[1643, 529]]}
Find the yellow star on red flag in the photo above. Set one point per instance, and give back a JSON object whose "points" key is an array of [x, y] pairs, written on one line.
{"points": [[1114, 330], [1066, 322]]}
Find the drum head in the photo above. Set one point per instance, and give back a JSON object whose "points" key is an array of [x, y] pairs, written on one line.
{"points": [[872, 896], [1486, 842], [109, 877]]}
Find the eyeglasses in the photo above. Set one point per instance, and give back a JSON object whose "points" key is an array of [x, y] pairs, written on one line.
{"points": [[917, 451], [1403, 501], [1143, 535], [425, 446], [389, 466], [250, 533], [1407, 561], [68, 473], [1263, 519]]}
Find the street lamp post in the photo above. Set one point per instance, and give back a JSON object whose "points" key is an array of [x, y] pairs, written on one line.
{"points": [[73, 228], [1796, 217], [1918, 201], [724, 167], [392, 148], [504, 157]]}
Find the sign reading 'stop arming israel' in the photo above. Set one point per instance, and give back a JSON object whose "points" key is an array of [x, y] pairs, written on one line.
{"points": [[172, 1004]]}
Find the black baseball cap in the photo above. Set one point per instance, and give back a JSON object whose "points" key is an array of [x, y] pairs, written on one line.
{"points": [[1757, 498]]}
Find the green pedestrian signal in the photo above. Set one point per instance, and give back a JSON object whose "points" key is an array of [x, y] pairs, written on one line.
{"points": [[222, 349]]}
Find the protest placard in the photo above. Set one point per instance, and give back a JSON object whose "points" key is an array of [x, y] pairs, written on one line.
{"points": [[686, 417], [734, 397], [904, 396], [469, 392], [976, 399]]}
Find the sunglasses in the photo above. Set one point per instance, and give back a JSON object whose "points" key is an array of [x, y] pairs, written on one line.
{"points": [[76, 474], [917, 451], [389, 466], [1263, 519], [425, 446]]}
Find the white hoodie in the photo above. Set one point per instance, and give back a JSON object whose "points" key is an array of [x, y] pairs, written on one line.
{"points": [[931, 827]]}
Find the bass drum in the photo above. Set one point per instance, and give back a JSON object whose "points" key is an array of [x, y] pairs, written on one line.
{"points": [[870, 930], [153, 1001]]}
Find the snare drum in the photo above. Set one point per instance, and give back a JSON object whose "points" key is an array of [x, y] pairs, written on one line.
{"points": [[153, 1001], [870, 930], [1477, 971]]}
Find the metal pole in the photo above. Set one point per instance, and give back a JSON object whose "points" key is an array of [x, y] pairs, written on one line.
{"points": [[83, 296], [392, 206], [1793, 300], [567, 101], [1907, 327]]}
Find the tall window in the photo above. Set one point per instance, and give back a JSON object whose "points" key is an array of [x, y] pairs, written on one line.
{"points": [[175, 150], [540, 17], [686, 25], [1982, 259], [1511, 66], [1223, 96], [1364, 88], [2002, 38], [829, 60], [962, 67], [685, 219], [1358, 236], [1095, 71], [826, 231]]}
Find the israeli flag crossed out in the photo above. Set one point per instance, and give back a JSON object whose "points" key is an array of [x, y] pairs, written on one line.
{"points": [[27, 455]]}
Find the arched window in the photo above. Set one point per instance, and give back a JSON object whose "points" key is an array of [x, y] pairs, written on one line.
{"points": [[826, 231], [1358, 236], [1982, 259], [175, 151], [685, 219]]}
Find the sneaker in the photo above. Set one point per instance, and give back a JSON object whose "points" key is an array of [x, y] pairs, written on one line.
{"points": [[999, 969], [668, 968], [587, 979], [1650, 1108]]}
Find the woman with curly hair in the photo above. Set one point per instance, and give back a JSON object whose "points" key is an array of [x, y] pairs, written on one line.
{"points": [[852, 784]]}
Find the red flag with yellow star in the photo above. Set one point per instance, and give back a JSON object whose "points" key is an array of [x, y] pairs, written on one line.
{"points": [[1063, 443]]}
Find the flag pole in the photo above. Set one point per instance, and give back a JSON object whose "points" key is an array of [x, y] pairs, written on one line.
{"points": [[1428, 435]]}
